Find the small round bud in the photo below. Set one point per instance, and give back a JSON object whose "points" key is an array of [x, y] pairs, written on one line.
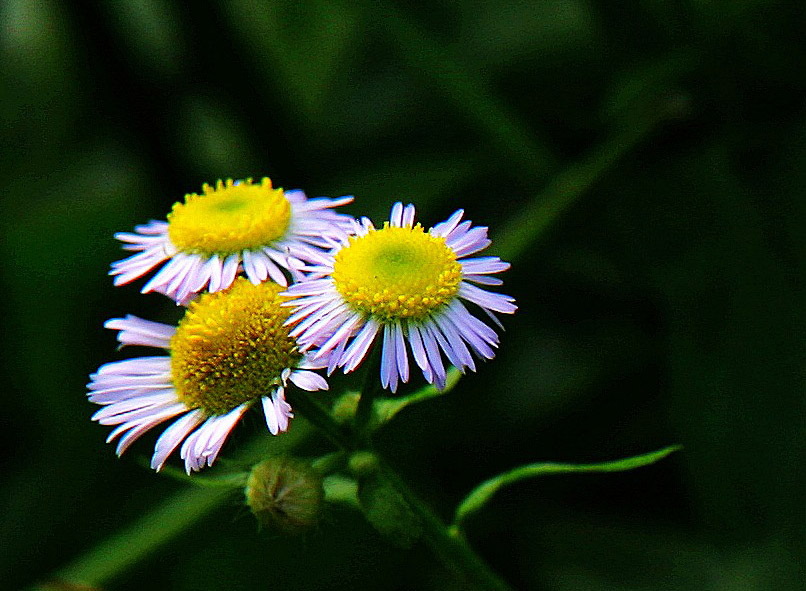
{"points": [[363, 463], [285, 494]]}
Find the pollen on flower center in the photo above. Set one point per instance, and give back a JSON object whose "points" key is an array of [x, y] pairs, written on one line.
{"points": [[231, 347], [397, 273], [229, 218]]}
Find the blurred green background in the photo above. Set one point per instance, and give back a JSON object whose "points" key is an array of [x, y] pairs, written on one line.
{"points": [[643, 164]]}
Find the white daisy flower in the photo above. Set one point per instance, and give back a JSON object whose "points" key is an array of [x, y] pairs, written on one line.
{"points": [[408, 285], [236, 225], [230, 350]]}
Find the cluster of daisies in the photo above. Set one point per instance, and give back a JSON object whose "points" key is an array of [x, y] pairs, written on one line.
{"points": [[275, 286]]}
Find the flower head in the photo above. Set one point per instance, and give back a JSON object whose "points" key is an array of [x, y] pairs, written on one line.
{"points": [[408, 284], [236, 224], [231, 349]]}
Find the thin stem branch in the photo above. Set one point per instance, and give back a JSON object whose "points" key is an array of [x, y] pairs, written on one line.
{"points": [[369, 391]]}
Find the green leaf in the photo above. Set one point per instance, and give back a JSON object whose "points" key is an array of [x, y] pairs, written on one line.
{"points": [[386, 408], [479, 496]]}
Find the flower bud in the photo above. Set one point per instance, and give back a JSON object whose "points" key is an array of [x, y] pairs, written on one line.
{"points": [[363, 463], [284, 494]]}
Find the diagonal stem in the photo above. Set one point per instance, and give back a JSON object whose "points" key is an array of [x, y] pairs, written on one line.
{"points": [[452, 549], [369, 391]]}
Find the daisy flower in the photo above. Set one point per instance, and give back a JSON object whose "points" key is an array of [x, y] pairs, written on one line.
{"points": [[236, 224], [230, 350], [408, 285]]}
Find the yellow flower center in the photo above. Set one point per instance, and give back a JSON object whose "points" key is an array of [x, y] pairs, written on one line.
{"points": [[229, 218], [397, 273], [231, 347]]}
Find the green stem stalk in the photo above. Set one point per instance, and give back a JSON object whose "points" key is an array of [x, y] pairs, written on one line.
{"points": [[369, 391], [453, 549]]}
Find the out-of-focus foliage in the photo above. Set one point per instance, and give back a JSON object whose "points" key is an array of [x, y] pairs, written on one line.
{"points": [[664, 305]]}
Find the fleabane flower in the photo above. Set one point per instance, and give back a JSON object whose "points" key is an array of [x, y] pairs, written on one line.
{"points": [[235, 225], [230, 350], [408, 285]]}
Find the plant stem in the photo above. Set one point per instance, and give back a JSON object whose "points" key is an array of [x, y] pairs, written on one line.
{"points": [[453, 549], [370, 389]]}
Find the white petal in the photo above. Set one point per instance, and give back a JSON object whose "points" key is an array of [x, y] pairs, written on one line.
{"points": [[255, 272], [434, 358], [408, 216], [495, 302], [417, 349], [308, 380], [461, 354], [401, 356], [388, 363], [173, 436], [229, 270], [483, 265], [214, 266], [137, 366], [223, 429], [446, 227], [358, 349], [396, 217], [137, 331], [275, 273], [277, 411]]}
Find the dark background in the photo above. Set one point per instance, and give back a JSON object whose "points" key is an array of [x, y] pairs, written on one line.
{"points": [[665, 305]]}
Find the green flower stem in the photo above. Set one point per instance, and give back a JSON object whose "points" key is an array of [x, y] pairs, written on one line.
{"points": [[318, 417], [342, 490], [369, 391], [453, 549], [330, 463]]}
